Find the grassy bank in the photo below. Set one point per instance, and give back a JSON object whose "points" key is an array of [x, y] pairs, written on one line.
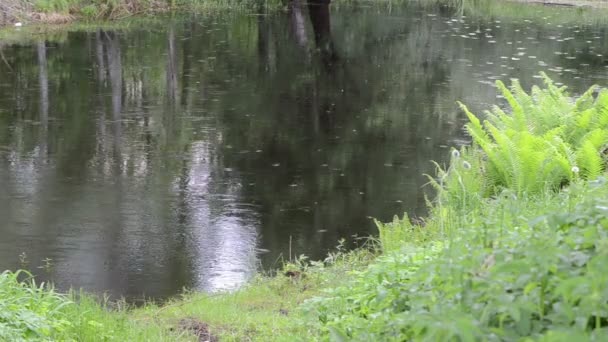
{"points": [[515, 248], [267, 309], [63, 11], [35, 312]]}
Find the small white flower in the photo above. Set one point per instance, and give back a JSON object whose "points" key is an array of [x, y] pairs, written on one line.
{"points": [[455, 154], [18, 24], [575, 169], [466, 165]]}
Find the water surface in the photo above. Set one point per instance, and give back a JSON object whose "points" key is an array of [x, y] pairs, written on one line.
{"points": [[190, 152]]}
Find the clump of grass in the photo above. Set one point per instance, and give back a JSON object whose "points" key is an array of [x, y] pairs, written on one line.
{"points": [[393, 235], [36, 312], [28, 310]]}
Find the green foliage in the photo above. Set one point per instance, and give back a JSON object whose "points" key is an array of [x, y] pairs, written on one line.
{"points": [[29, 311], [392, 235], [519, 267], [543, 142], [111, 9], [266, 309], [32, 312], [48, 6], [89, 11]]}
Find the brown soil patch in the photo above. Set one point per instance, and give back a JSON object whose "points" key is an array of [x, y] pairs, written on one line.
{"points": [[198, 328]]}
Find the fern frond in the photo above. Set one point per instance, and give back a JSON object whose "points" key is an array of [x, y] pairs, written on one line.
{"points": [[584, 119], [550, 86], [554, 133], [586, 100], [519, 119], [597, 137], [589, 161], [499, 118], [601, 106], [475, 129], [502, 153]]}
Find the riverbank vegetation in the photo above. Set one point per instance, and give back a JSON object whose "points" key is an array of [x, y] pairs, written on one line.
{"points": [[515, 248], [35, 312], [522, 244], [63, 11], [267, 309]]}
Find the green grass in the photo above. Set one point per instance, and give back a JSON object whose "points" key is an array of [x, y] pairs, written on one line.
{"points": [[62, 11], [266, 309], [517, 11], [36, 312]]}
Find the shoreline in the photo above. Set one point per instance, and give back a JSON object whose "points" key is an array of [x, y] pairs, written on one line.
{"points": [[25, 16], [567, 3], [28, 16], [441, 278], [484, 232]]}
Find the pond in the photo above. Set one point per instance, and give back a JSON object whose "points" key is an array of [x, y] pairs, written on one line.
{"points": [[192, 151]]}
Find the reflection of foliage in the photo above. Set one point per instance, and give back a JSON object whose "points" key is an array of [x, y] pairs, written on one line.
{"points": [[332, 121]]}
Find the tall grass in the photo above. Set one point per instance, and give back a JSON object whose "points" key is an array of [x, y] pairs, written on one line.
{"points": [[392, 235]]}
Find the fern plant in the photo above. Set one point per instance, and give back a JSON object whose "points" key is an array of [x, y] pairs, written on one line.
{"points": [[546, 141]]}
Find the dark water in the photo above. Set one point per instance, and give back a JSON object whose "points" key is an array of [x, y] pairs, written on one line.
{"points": [[190, 152]]}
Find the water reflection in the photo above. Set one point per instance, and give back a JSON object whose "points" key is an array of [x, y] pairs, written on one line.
{"points": [[146, 160], [224, 243]]}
